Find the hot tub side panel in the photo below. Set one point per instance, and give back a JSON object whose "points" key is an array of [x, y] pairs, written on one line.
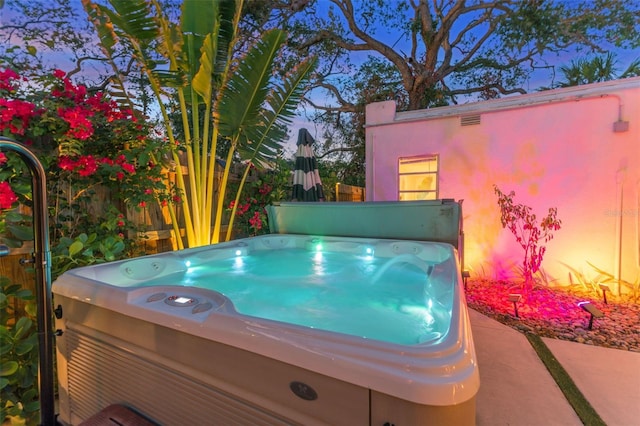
{"points": [[171, 377]]}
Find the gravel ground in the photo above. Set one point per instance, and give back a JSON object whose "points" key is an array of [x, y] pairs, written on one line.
{"points": [[554, 312]]}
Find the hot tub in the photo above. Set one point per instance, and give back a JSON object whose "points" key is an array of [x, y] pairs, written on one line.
{"points": [[277, 329]]}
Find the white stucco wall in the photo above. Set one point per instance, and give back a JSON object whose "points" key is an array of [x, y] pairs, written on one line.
{"points": [[554, 149]]}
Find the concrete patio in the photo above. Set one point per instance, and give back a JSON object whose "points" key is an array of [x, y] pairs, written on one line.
{"points": [[517, 389]]}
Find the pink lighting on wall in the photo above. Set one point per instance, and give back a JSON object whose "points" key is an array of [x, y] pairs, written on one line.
{"points": [[554, 149]]}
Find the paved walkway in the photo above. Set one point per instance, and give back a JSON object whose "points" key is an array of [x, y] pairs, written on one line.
{"points": [[516, 388]]}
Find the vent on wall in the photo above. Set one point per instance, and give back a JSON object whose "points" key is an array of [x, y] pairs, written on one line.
{"points": [[470, 120]]}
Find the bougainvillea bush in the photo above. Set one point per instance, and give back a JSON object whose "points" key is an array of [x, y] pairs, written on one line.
{"points": [[100, 162], [269, 187], [92, 150]]}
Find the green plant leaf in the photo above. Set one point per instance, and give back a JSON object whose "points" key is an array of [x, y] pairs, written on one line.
{"points": [[22, 327], [31, 309], [24, 294], [8, 368], [24, 233], [23, 348], [75, 248], [248, 87]]}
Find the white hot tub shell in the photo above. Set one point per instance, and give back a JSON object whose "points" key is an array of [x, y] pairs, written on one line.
{"points": [[208, 364]]}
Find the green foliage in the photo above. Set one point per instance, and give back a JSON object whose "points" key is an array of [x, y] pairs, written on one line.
{"points": [[427, 54], [91, 150], [269, 187], [625, 289], [596, 69], [195, 62], [18, 356]]}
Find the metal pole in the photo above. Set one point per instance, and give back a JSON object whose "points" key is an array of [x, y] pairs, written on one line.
{"points": [[42, 265]]}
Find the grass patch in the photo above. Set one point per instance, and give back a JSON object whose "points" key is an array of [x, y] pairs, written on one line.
{"points": [[581, 406]]}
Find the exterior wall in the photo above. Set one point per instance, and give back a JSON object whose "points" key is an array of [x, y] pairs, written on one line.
{"points": [[554, 149]]}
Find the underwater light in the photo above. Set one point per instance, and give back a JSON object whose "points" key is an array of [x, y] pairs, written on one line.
{"points": [[187, 263], [238, 252], [319, 247]]}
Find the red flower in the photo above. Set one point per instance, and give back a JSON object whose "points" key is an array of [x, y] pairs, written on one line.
{"points": [[86, 165], [6, 79], [129, 168], [79, 126], [59, 73], [256, 221], [3, 159], [265, 189], [7, 196], [66, 163], [15, 115]]}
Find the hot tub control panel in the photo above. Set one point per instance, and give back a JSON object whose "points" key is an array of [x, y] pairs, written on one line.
{"points": [[178, 302]]}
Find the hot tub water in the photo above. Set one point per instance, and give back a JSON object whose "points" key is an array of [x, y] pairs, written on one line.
{"points": [[362, 295]]}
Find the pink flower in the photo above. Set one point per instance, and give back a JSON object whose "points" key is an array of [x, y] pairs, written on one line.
{"points": [[7, 196]]}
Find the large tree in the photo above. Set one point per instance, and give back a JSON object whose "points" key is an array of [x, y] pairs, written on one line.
{"points": [[426, 53], [461, 47]]}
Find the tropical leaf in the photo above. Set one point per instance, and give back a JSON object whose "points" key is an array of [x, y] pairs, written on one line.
{"points": [[108, 39], [133, 18], [264, 141], [245, 92]]}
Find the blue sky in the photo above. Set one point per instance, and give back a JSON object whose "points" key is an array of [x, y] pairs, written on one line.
{"points": [[539, 79]]}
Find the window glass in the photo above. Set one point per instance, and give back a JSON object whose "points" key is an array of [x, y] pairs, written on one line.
{"points": [[418, 178]]}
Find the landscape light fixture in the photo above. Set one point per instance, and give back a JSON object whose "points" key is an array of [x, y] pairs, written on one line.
{"points": [[465, 276], [515, 298], [604, 288], [592, 310]]}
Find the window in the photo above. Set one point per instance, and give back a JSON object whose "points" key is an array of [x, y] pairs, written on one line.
{"points": [[418, 178]]}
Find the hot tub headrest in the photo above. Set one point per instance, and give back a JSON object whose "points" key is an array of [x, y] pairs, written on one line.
{"points": [[435, 220]]}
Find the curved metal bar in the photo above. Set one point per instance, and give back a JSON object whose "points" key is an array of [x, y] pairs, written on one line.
{"points": [[42, 265]]}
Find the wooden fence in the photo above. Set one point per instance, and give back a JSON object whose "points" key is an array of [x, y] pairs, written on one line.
{"points": [[158, 235], [349, 193]]}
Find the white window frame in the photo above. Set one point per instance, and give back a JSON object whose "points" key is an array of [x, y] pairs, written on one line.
{"points": [[410, 191]]}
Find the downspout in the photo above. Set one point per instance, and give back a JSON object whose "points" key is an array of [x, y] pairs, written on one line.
{"points": [[42, 266], [620, 178]]}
